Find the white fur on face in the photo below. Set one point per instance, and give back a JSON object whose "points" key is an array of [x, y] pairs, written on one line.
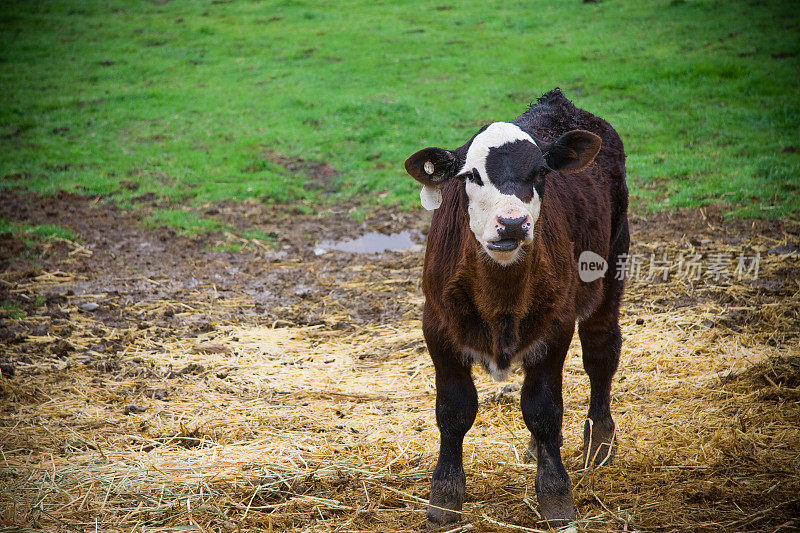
{"points": [[486, 202]]}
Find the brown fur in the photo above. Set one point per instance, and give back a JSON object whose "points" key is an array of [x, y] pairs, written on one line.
{"points": [[470, 295]]}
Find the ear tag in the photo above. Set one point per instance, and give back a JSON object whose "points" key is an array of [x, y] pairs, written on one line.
{"points": [[431, 197], [429, 168]]}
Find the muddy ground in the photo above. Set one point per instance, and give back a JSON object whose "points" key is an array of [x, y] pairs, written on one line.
{"points": [[142, 327]]}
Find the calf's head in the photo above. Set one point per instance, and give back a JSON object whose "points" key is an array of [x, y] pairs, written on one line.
{"points": [[504, 171]]}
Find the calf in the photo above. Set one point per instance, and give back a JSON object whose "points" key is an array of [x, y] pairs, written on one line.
{"points": [[516, 206]]}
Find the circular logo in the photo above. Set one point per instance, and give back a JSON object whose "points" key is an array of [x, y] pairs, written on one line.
{"points": [[591, 266]]}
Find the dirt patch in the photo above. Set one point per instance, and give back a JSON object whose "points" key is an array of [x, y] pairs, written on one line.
{"points": [[10, 247], [126, 268], [318, 174], [157, 381]]}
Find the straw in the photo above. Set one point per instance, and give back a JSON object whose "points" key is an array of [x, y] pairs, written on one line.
{"points": [[253, 428]]}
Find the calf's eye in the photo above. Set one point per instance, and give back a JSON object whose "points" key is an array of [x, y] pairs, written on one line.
{"points": [[473, 177]]}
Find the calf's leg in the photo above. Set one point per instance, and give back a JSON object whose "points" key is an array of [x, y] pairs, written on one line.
{"points": [[456, 407], [530, 453], [601, 340], [542, 409]]}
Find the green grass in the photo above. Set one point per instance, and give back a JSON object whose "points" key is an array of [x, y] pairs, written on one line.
{"points": [[13, 310], [32, 234], [193, 100], [258, 235], [186, 222]]}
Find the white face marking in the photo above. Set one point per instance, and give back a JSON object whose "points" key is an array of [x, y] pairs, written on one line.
{"points": [[429, 168], [486, 202]]}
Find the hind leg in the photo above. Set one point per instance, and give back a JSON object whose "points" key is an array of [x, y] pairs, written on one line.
{"points": [[601, 341]]}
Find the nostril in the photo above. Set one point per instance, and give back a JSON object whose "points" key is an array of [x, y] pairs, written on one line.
{"points": [[518, 222], [513, 227]]}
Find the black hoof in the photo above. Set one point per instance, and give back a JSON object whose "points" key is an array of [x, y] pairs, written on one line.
{"points": [[599, 443], [447, 497], [557, 510], [438, 518]]}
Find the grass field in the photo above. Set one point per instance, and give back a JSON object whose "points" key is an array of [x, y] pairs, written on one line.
{"points": [[319, 102]]}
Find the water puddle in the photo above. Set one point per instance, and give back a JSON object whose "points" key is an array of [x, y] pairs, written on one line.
{"points": [[374, 243]]}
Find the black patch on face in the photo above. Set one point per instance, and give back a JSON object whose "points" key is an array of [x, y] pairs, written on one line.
{"points": [[515, 168], [475, 177]]}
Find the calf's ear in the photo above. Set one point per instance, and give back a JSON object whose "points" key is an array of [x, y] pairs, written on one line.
{"points": [[432, 166], [573, 151]]}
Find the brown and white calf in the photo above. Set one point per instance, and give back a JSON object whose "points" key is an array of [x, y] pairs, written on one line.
{"points": [[516, 206]]}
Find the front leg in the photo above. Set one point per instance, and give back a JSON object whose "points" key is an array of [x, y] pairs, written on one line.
{"points": [[542, 409], [456, 407]]}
